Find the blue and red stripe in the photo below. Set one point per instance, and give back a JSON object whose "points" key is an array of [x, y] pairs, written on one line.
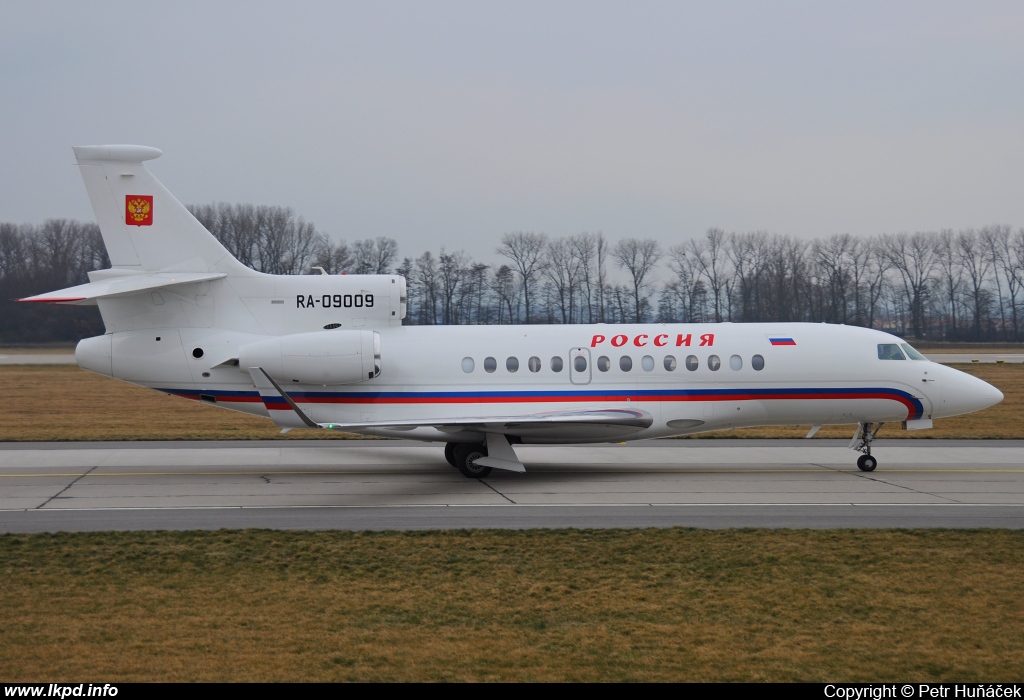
{"points": [[914, 407]]}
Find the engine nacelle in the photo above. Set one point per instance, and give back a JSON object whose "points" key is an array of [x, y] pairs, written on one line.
{"points": [[320, 357]]}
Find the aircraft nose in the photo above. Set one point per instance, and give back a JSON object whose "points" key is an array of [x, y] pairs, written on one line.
{"points": [[962, 393]]}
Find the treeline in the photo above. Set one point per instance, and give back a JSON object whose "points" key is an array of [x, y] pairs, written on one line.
{"points": [[949, 285], [41, 258]]}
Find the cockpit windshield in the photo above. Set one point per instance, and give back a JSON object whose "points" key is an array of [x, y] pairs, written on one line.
{"points": [[890, 351], [912, 353]]}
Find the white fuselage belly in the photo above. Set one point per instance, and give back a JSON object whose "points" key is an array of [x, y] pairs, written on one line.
{"points": [[831, 374]]}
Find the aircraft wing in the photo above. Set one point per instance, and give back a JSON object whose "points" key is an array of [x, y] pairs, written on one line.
{"points": [[593, 423], [87, 294], [606, 423]]}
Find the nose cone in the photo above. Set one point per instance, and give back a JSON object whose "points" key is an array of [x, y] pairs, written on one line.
{"points": [[962, 393]]}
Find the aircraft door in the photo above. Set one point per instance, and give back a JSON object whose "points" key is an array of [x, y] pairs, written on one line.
{"points": [[579, 365]]}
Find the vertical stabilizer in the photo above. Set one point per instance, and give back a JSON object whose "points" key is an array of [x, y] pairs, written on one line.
{"points": [[144, 227]]}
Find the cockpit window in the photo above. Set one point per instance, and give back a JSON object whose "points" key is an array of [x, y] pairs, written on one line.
{"points": [[890, 351], [911, 352]]}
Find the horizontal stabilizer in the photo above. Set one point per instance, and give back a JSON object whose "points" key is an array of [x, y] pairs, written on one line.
{"points": [[87, 294]]}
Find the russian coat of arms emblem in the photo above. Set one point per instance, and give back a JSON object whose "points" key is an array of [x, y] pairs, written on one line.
{"points": [[138, 209]]}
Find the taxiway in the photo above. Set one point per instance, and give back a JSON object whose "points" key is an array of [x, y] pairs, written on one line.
{"points": [[407, 485]]}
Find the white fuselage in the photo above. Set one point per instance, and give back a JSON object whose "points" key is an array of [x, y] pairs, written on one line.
{"points": [[689, 377]]}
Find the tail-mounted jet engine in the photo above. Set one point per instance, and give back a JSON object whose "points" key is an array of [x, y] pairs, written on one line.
{"points": [[320, 357]]}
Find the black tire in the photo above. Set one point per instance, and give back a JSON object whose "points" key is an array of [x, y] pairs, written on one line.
{"points": [[867, 463], [466, 455], [449, 452]]}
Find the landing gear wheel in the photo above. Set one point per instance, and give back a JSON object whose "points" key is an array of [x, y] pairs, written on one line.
{"points": [[867, 463], [449, 452], [465, 460]]}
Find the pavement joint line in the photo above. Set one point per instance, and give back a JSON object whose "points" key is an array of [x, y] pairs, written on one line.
{"points": [[523, 506], [408, 472], [496, 491], [878, 479], [58, 494]]}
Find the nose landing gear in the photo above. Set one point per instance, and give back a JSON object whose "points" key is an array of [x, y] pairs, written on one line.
{"points": [[862, 443], [867, 463]]}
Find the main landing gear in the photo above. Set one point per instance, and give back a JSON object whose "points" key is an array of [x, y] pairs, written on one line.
{"points": [[862, 443], [463, 456]]}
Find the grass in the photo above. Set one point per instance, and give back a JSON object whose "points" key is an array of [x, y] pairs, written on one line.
{"points": [[46, 402], [63, 402], [536, 605]]}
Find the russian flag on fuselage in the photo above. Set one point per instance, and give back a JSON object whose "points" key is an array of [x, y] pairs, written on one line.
{"points": [[782, 341]]}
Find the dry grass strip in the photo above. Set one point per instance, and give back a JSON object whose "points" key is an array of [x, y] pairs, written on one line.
{"points": [[67, 403], [573, 605]]}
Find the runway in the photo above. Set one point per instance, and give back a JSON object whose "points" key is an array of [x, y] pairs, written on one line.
{"points": [[387, 485]]}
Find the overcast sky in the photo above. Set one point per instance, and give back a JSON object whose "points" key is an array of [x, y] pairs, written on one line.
{"points": [[450, 123]]}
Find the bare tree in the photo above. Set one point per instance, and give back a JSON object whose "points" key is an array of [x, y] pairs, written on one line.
{"points": [[1007, 250], [709, 257], [684, 298], [426, 279], [749, 254], [992, 240], [913, 257], [564, 270], [638, 257], [450, 270], [526, 250], [504, 287], [585, 247], [951, 274], [976, 265], [374, 256], [832, 257], [868, 267]]}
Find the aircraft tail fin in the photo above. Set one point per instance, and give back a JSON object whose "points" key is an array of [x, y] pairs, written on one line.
{"points": [[144, 227]]}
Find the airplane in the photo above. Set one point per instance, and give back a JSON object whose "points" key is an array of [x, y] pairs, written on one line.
{"points": [[329, 352]]}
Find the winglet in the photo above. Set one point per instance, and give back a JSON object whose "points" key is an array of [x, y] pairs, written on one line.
{"points": [[278, 402]]}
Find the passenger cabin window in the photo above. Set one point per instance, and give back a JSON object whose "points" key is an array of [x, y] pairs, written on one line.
{"points": [[692, 363], [534, 364], [757, 362], [736, 362], [714, 362], [468, 365], [670, 363], [625, 363], [490, 364], [556, 364], [603, 363], [912, 353], [512, 364], [647, 362], [579, 363], [890, 351]]}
